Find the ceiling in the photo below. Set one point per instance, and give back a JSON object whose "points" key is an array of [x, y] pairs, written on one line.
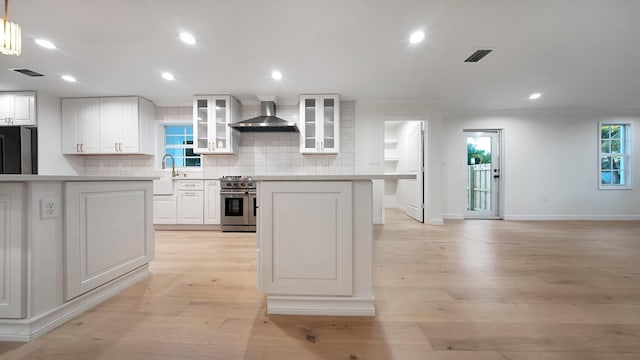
{"points": [[580, 54]]}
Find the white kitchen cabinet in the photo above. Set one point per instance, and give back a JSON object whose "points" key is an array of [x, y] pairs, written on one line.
{"points": [[212, 115], [18, 108], [110, 125], [305, 237], [195, 202], [11, 252], [319, 124], [97, 252], [212, 202], [119, 123], [164, 209], [190, 202], [80, 126]]}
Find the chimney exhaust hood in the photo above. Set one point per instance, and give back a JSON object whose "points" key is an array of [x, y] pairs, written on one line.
{"points": [[266, 122]]}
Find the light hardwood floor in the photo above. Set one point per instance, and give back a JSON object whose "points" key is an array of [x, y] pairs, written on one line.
{"points": [[481, 290]]}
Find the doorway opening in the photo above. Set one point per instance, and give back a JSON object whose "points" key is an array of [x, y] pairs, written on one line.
{"points": [[483, 174], [404, 154]]}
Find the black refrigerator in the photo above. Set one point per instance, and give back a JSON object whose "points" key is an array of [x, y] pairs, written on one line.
{"points": [[18, 150]]}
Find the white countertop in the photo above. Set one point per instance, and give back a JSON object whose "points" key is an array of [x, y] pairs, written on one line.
{"points": [[346, 177], [68, 178]]}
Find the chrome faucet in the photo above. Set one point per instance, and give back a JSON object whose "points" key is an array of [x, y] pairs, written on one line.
{"points": [[174, 173]]}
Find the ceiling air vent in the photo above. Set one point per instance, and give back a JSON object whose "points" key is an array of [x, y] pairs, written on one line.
{"points": [[27, 72], [478, 55]]}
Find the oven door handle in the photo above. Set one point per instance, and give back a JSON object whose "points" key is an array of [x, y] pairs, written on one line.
{"points": [[233, 193]]}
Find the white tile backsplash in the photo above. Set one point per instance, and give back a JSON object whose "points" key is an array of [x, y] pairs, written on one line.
{"points": [[259, 153]]}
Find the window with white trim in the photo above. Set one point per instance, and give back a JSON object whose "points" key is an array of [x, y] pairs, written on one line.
{"points": [[178, 142], [615, 155]]}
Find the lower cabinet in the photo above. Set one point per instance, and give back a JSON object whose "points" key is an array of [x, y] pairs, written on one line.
{"points": [[97, 252], [196, 202], [11, 252], [212, 202], [190, 207], [164, 209]]}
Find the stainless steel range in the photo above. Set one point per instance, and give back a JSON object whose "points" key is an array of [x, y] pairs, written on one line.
{"points": [[237, 203]]}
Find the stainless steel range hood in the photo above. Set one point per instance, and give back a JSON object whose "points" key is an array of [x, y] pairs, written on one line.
{"points": [[266, 122]]}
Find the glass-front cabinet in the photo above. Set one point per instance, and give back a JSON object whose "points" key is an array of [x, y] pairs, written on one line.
{"points": [[212, 115], [319, 124]]}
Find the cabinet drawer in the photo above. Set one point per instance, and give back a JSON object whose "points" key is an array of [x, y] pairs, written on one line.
{"points": [[190, 185]]}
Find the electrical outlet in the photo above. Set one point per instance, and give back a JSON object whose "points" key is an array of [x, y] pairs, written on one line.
{"points": [[49, 208]]}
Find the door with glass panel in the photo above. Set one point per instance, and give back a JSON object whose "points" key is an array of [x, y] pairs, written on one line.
{"points": [[319, 124], [211, 116], [483, 174], [201, 124]]}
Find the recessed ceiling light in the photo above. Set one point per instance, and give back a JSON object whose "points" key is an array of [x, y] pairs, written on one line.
{"points": [[535, 96], [187, 38], [45, 43], [168, 76], [277, 75], [416, 37], [68, 78]]}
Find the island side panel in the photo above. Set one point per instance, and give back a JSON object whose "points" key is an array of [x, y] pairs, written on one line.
{"points": [[360, 301], [108, 232], [305, 232]]}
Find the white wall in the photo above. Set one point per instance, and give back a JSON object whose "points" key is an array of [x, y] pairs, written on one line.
{"points": [[550, 165], [50, 158], [369, 153]]}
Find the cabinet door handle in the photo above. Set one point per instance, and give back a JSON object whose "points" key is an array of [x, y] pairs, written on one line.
{"points": [[120, 146], [81, 147], [190, 194], [115, 145], [77, 147]]}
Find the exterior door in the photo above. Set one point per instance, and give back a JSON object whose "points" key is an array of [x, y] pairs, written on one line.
{"points": [[483, 174]]}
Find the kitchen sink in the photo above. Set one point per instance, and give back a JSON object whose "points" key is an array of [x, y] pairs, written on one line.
{"points": [[163, 186]]}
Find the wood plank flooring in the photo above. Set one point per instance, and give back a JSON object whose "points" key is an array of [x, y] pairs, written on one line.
{"points": [[481, 290]]}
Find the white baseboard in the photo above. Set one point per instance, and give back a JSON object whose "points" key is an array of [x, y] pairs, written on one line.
{"points": [[572, 217], [326, 306], [453, 216], [25, 330], [436, 222]]}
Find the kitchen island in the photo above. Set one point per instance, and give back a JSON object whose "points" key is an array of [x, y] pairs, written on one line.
{"points": [[67, 244], [315, 238]]}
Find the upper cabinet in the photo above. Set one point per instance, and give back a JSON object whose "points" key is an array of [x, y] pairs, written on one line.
{"points": [[212, 115], [110, 125], [81, 126], [18, 108], [319, 124]]}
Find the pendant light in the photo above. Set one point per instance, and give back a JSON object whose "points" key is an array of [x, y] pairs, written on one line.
{"points": [[10, 36]]}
